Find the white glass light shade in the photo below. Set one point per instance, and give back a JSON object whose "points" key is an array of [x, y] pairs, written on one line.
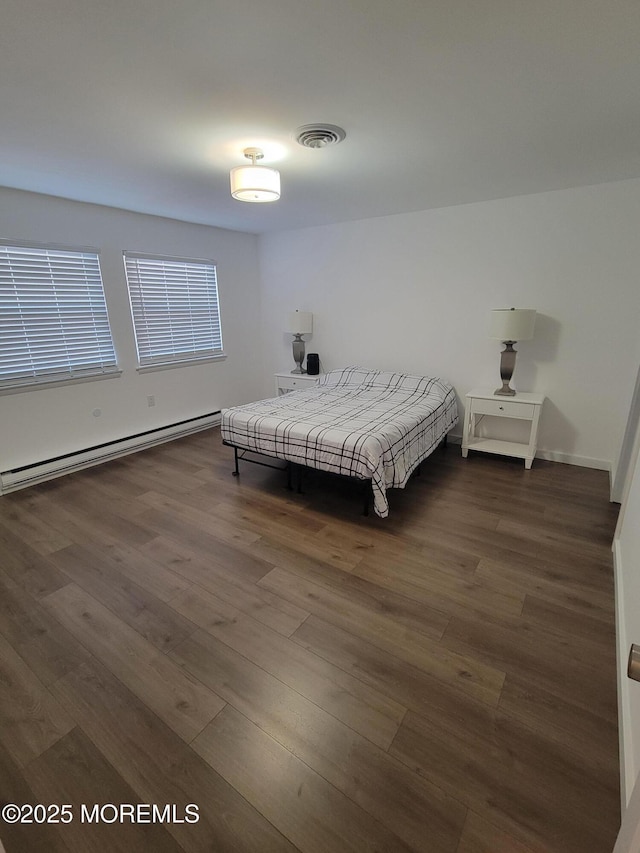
{"points": [[255, 183], [512, 324], [300, 322]]}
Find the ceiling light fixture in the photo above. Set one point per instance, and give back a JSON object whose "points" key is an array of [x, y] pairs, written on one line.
{"points": [[255, 183]]}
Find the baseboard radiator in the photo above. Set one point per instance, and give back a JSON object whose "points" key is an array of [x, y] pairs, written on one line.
{"points": [[28, 475]]}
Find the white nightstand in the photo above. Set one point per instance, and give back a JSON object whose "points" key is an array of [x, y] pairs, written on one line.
{"points": [[286, 382], [524, 407]]}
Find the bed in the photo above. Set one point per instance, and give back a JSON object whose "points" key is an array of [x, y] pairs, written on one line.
{"points": [[371, 425]]}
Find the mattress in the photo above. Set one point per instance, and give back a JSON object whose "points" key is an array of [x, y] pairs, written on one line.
{"points": [[368, 424]]}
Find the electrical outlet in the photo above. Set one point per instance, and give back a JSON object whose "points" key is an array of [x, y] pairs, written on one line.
{"points": [[151, 400]]}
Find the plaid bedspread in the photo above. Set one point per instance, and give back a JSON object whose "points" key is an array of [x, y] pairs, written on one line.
{"points": [[362, 423]]}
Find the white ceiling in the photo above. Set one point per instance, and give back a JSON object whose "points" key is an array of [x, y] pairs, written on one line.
{"points": [[147, 104]]}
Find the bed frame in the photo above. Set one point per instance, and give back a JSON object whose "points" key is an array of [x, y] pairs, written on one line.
{"points": [[293, 469], [372, 426]]}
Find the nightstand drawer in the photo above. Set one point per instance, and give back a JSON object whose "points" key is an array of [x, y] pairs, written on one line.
{"points": [[286, 382], [295, 383], [503, 408]]}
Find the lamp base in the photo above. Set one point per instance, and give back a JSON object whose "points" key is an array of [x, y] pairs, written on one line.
{"points": [[298, 353], [507, 366]]}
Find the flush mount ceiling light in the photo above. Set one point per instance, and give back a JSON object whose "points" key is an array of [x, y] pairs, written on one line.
{"points": [[255, 183]]}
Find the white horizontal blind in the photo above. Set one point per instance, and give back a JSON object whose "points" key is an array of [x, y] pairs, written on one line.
{"points": [[53, 316], [174, 303]]}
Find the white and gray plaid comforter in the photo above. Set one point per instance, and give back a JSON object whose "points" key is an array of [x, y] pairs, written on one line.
{"points": [[369, 424]]}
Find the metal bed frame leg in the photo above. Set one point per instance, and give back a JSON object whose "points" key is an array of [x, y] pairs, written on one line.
{"points": [[236, 472], [367, 497]]}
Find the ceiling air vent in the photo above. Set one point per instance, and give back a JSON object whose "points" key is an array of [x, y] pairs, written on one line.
{"points": [[319, 135]]}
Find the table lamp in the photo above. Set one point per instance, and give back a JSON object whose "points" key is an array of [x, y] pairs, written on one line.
{"points": [[300, 323], [510, 325]]}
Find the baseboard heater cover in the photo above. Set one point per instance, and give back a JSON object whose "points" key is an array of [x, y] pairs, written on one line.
{"points": [[28, 475]]}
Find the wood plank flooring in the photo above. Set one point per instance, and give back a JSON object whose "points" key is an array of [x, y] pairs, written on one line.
{"points": [[440, 681]]}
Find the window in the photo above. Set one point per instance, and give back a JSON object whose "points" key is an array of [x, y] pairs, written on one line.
{"points": [[174, 303], [53, 316]]}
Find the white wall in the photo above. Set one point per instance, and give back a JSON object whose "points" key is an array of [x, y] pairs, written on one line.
{"points": [[409, 292], [38, 424], [413, 292]]}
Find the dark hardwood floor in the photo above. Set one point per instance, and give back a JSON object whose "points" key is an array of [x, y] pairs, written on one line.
{"points": [[442, 680]]}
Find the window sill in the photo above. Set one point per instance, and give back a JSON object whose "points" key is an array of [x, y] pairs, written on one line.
{"points": [[188, 362], [59, 383]]}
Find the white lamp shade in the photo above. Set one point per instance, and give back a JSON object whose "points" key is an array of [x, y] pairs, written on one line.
{"points": [[512, 324], [255, 183], [300, 322]]}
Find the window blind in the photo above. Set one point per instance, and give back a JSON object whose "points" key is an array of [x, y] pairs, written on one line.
{"points": [[53, 316], [175, 309]]}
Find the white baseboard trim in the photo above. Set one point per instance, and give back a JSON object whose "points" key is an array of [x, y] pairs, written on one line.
{"points": [[571, 459], [38, 472], [557, 456]]}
